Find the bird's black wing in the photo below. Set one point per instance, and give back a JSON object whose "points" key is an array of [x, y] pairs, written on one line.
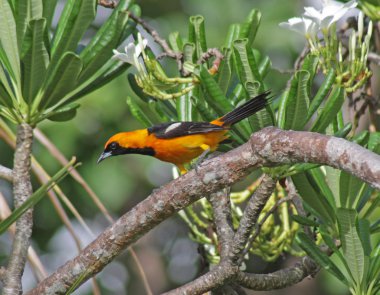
{"points": [[177, 129]]}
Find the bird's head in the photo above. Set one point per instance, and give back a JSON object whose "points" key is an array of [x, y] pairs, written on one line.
{"points": [[126, 143]]}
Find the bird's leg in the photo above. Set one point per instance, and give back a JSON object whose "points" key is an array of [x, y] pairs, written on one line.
{"points": [[206, 149]]}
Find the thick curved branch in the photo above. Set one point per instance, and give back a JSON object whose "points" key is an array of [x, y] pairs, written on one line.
{"points": [[22, 189], [268, 147]]}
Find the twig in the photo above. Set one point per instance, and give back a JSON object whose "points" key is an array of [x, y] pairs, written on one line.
{"points": [[212, 52], [268, 147], [260, 224], [221, 206], [250, 217], [374, 58], [279, 279], [22, 189], [301, 57], [6, 173], [178, 56], [107, 3]]}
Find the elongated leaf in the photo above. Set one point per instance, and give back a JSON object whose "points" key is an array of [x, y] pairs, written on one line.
{"points": [[246, 64], [313, 197], [319, 178], [175, 41], [107, 73], [35, 61], [250, 26], [63, 80], [65, 113], [197, 34], [9, 52], [75, 19], [310, 65], [265, 66], [184, 107], [297, 101], [331, 109], [321, 258], [304, 221], [48, 11], [216, 97], [225, 71], [35, 197], [110, 35], [349, 190], [362, 228], [351, 244], [138, 113], [232, 35], [374, 142]]}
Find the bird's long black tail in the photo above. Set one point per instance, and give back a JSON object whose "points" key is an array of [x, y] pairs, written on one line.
{"points": [[247, 109]]}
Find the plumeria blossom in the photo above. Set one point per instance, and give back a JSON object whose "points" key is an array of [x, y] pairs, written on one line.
{"points": [[331, 12], [132, 52], [301, 25]]}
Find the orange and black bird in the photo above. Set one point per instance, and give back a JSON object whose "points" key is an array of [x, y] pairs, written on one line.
{"points": [[181, 142]]}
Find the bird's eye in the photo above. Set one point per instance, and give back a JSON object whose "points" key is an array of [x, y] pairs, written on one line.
{"points": [[113, 145]]}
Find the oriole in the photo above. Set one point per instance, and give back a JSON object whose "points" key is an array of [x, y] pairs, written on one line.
{"points": [[181, 142]]}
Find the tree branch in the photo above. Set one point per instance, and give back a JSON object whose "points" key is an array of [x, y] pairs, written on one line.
{"points": [[279, 279], [221, 206], [22, 189], [6, 173], [251, 214], [268, 147]]}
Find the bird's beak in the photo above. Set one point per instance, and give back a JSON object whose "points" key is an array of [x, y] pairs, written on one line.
{"points": [[103, 156]]}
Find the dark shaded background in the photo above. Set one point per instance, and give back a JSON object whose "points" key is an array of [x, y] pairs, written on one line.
{"points": [[169, 257]]}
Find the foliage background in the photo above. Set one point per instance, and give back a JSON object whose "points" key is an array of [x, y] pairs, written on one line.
{"points": [[169, 257]]}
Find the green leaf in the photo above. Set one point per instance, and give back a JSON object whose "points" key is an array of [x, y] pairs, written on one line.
{"points": [[175, 41], [9, 51], [310, 193], [320, 180], [351, 244], [304, 221], [138, 113], [331, 109], [65, 113], [197, 34], [374, 142], [310, 65], [297, 101], [349, 187], [246, 64], [110, 35], [265, 66], [36, 197], [318, 256], [36, 60], [250, 26], [225, 71], [75, 19], [262, 118], [63, 80], [48, 11], [362, 228], [107, 73], [232, 35], [184, 107], [323, 90], [215, 95]]}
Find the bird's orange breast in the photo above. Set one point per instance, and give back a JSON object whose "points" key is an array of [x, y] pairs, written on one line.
{"points": [[183, 149]]}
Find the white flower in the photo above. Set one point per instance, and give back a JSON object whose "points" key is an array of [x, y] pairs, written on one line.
{"points": [[132, 52], [331, 12], [301, 25]]}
